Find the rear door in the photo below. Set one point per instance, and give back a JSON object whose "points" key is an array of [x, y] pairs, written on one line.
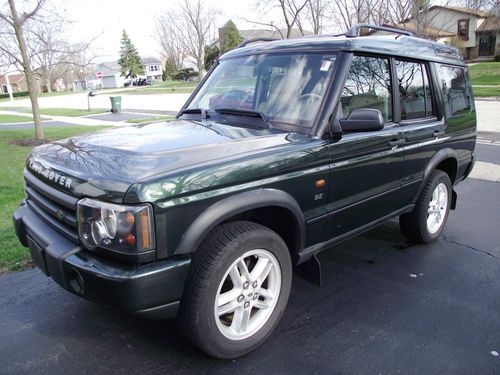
{"points": [[365, 166], [423, 131]]}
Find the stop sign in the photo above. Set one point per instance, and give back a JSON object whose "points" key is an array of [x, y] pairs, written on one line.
{"points": [[99, 75]]}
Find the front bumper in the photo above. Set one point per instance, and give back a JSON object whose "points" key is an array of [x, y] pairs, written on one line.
{"points": [[150, 290]]}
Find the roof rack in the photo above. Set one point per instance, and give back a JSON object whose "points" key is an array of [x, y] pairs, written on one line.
{"points": [[354, 31], [245, 42]]}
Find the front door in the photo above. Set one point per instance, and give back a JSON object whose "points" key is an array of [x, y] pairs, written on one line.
{"points": [[365, 166], [486, 44]]}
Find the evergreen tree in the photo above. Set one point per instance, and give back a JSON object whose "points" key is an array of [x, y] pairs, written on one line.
{"points": [[210, 55], [231, 37], [130, 61], [170, 69]]}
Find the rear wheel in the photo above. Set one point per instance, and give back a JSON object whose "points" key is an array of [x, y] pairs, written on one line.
{"points": [[426, 222], [237, 290]]}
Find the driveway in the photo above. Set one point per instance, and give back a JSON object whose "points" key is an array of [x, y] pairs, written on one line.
{"points": [[386, 307]]}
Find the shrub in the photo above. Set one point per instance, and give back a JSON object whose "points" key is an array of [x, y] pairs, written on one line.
{"points": [[15, 94], [185, 74]]}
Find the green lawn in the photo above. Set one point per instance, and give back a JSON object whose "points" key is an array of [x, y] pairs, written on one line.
{"points": [[43, 94], [167, 87], [177, 84], [486, 91], [151, 119], [13, 256], [70, 112], [7, 119], [485, 73]]}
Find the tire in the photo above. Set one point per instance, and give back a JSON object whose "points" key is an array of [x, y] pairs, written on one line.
{"points": [[217, 284], [427, 220]]}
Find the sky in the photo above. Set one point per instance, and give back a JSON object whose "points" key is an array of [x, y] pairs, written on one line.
{"points": [[104, 20]]}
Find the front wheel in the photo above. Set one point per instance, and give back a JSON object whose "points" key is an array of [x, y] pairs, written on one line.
{"points": [[427, 220], [237, 290]]}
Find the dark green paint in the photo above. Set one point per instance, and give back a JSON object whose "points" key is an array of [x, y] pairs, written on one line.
{"points": [[185, 166]]}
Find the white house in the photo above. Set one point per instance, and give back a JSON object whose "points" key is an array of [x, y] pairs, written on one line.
{"points": [[152, 68], [111, 75]]}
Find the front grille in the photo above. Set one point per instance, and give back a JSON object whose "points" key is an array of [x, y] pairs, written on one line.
{"points": [[56, 208]]}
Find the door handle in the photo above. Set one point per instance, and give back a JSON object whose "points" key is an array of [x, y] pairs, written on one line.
{"points": [[439, 133], [396, 142]]}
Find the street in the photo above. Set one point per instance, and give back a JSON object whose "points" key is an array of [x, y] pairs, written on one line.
{"points": [[385, 307], [166, 102]]}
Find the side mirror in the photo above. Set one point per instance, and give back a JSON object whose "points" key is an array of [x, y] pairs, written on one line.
{"points": [[363, 120]]}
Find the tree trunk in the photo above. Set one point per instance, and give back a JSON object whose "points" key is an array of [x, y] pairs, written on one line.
{"points": [[200, 69], [28, 71], [48, 83]]}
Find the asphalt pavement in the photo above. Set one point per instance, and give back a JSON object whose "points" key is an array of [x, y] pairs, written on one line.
{"points": [[386, 307]]}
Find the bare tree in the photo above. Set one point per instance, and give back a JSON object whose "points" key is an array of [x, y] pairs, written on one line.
{"points": [[291, 10], [50, 61], [16, 22], [316, 14], [82, 61], [348, 13], [398, 11], [484, 5], [171, 47], [189, 27]]}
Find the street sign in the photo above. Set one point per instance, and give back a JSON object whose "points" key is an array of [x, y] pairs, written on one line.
{"points": [[99, 75]]}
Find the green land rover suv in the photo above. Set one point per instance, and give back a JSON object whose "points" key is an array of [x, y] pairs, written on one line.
{"points": [[284, 149]]}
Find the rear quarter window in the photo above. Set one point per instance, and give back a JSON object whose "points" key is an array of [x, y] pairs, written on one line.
{"points": [[456, 93]]}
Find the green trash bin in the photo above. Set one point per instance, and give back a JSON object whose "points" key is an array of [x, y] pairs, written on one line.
{"points": [[116, 104]]}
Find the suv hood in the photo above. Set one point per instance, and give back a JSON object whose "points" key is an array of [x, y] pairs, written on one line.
{"points": [[106, 163]]}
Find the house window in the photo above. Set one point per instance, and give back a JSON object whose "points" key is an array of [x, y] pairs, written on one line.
{"points": [[463, 29], [4, 88]]}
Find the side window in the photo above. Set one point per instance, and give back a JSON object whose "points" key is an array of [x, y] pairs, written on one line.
{"points": [[414, 90], [457, 99], [368, 85]]}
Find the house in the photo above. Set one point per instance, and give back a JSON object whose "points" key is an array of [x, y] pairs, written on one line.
{"points": [[476, 32], [111, 75], [152, 68], [91, 82], [17, 83]]}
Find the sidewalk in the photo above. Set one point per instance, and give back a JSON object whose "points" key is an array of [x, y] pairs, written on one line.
{"points": [[83, 121]]}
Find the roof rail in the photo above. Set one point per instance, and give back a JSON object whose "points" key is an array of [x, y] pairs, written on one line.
{"points": [[248, 41], [354, 31]]}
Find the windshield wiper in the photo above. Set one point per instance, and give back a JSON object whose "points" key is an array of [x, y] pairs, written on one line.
{"points": [[187, 111], [244, 112]]}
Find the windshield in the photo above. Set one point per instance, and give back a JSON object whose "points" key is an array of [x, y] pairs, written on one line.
{"points": [[287, 88]]}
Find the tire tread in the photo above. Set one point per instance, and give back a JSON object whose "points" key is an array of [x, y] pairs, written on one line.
{"points": [[210, 252]]}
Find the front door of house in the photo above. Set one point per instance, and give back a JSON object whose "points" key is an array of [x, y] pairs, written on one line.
{"points": [[486, 44]]}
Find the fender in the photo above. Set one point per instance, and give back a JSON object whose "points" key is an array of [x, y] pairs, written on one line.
{"points": [[237, 204], [437, 158]]}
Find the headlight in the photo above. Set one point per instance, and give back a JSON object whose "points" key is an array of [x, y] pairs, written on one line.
{"points": [[127, 229]]}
